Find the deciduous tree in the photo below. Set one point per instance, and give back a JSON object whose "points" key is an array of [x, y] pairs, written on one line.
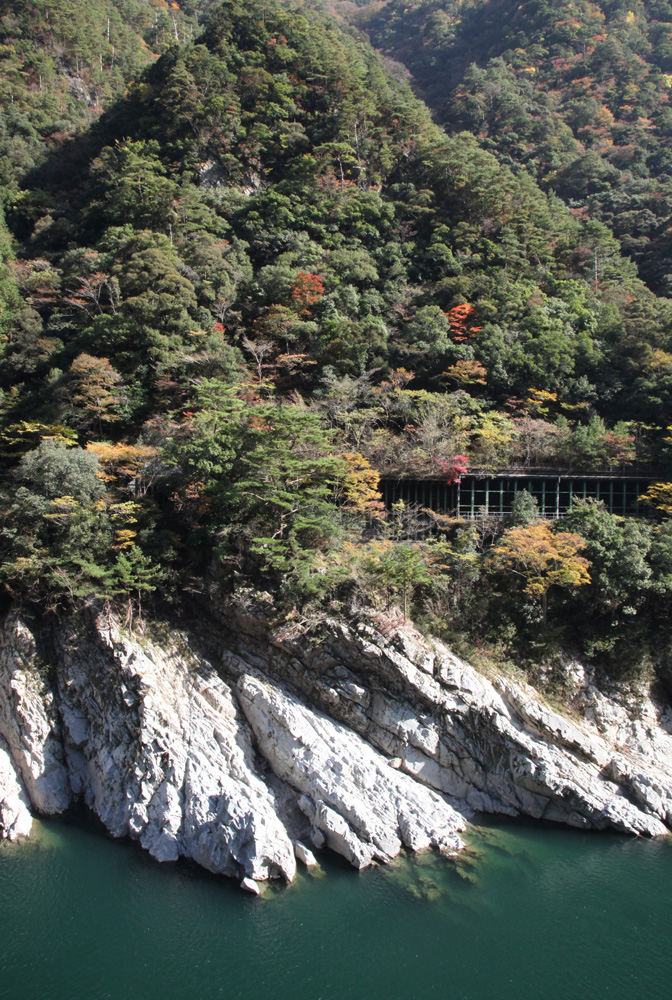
{"points": [[96, 393], [542, 559]]}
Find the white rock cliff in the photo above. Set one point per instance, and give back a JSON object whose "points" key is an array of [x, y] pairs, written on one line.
{"points": [[367, 741]]}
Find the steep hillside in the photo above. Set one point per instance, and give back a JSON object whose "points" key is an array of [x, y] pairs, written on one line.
{"points": [[62, 61], [576, 92], [276, 151], [263, 278]]}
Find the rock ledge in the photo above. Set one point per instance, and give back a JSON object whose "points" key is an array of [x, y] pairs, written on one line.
{"points": [[367, 742]]}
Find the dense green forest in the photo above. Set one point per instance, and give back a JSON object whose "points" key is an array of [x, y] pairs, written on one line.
{"points": [[576, 93], [263, 277], [62, 61]]}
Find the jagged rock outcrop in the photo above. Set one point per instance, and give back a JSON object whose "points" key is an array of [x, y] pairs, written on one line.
{"points": [[356, 802], [29, 722], [493, 745], [15, 818], [237, 747], [157, 747], [640, 731]]}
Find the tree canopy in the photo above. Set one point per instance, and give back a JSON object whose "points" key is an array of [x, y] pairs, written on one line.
{"points": [[245, 274]]}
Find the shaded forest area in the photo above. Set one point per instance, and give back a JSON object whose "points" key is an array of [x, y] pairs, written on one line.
{"points": [[577, 94]]}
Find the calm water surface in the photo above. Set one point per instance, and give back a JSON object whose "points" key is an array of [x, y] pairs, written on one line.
{"points": [[538, 913]]}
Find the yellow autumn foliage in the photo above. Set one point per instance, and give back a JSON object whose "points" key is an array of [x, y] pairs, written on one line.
{"points": [[542, 558]]}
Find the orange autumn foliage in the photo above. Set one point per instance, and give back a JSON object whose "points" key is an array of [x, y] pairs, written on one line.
{"points": [[307, 289], [461, 319]]}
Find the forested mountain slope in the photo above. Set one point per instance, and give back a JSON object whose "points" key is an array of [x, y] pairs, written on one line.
{"points": [[62, 61], [262, 278], [576, 92], [277, 151]]}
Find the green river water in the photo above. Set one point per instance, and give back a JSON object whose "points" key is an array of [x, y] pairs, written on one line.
{"points": [[537, 913]]}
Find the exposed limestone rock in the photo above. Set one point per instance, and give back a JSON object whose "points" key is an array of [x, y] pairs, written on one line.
{"points": [[494, 746], [249, 885], [213, 175], [159, 751], [363, 739], [364, 809], [639, 730], [29, 723], [305, 856], [15, 818]]}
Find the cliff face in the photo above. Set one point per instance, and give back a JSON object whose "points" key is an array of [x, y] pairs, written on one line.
{"points": [[364, 742]]}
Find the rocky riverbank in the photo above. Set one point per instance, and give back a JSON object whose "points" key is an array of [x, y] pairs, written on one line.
{"points": [[365, 739]]}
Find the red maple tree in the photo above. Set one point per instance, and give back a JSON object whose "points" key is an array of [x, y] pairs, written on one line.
{"points": [[461, 319], [308, 288]]}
